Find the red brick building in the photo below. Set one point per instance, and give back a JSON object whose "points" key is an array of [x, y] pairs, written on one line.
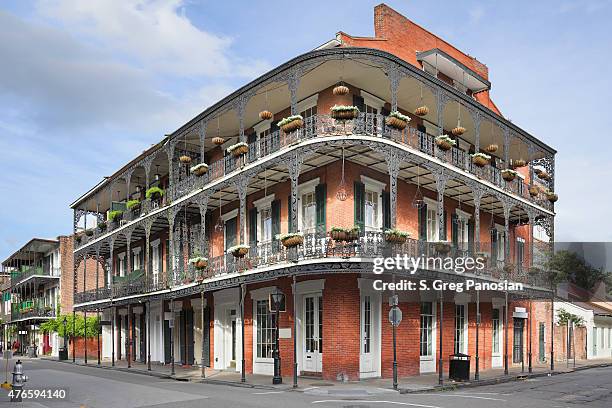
{"points": [[279, 156]]}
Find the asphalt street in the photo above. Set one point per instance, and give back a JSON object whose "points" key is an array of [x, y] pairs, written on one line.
{"points": [[94, 387]]}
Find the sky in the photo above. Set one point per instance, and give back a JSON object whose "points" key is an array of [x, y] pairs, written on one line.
{"points": [[85, 86]]}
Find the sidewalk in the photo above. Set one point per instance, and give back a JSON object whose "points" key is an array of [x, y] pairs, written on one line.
{"points": [[420, 383]]}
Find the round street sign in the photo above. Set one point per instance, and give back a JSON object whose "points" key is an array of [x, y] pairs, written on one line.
{"points": [[395, 316]]}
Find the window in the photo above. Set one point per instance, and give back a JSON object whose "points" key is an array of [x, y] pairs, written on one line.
{"points": [[500, 236], [462, 232], [309, 124], [460, 329], [265, 225], [309, 212], [496, 331], [426, 329], [371, 210], [594, 340], [432, 223], [265, 330]]}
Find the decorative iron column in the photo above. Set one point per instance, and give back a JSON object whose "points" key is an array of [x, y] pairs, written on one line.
{"points": [[506, 132], [441, 100], [395, 76], [506, 332], [149, 334], [99, 332], [441, 178], [394, 159], [478, 192], [440, 332], [128, 336], [242, 352], [85, 333], [293, 82], [477, 372], [202, 137], [203, 353], [241, 188], [477, 122]]}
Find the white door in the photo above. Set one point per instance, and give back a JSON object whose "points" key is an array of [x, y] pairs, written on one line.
{"points": [[496, 336], [370, 331], [313, 333]]}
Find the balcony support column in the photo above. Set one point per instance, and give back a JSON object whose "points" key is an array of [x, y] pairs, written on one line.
{"points": [[477, 192], [293, 82], [477, 122], [294, 164], [241, 187], [240, 105], [531, 153], [507, 208], [128, 336], [531, 215], [395, 76], [97, 270], [202, 201], [441, 99], [85, 333], [394, 159], [113, 340], [202, 136], [170, 251], [506, 132], [441, 178]]}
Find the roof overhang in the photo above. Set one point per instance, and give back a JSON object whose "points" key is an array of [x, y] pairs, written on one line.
{"points": [[454, 69], [40, 245]]}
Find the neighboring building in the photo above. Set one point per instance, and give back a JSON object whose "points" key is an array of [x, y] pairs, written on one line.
{"points": [[328, 173], [5, 307], [33, 294]]}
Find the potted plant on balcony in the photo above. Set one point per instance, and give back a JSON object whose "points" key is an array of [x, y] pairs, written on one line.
{"points": [[338, 234], [133, 205], [115, 216], [542, 175], [89, 232], [483, 256], [343, 112], [102, 226], [353, 233], [291, 239], [199, 169], [481, 159], [421, 110], [518, 163], [185, 159], [239, 251], [154, 193], [442, 247], [551, 196], [534, 191], [238, 149], [396, 236], [198, 261], [291, 123], [397, 120], [78, 238], [508, 174], [444, 142]]}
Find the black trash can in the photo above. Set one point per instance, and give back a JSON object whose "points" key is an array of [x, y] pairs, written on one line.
{"points": [[459, 367], [63, 353]]}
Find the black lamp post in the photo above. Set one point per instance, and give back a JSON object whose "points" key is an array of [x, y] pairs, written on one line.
{"points": [[276, 299], [65, 322]]}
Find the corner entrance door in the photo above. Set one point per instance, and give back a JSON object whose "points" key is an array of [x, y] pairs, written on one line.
{"points": [[517, 352], [496, 336], [370, 323], [232, 338], [313, 334]]}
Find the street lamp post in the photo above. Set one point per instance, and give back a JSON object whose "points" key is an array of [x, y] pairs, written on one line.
{"points": [[65, 322], [276, 299]]}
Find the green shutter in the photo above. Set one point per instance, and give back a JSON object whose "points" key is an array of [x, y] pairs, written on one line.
{"points": [[359, 205], [471, 235], [253, 227], [359, 102], [275, 207], [454, 229], [386, 208], [423, 223], [321, 199], [289, 224], [494, 246], [443, 237]]}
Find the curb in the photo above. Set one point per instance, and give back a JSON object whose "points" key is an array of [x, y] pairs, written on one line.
{"points": [[500, 380]]}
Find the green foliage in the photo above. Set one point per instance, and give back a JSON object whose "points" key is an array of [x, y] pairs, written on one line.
{"points": [[566, 318], [57, 326], [114, 214], [132, 203], [567, 266], [154, 190]]}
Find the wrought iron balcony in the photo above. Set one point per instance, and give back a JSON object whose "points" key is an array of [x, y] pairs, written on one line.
{"points": [[31, 310], [19, 276], [367, 246]]}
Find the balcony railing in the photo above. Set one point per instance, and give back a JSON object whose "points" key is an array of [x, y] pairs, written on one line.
{"points": [[365, 125], [26, 272], [31, 309], [316, 246]]}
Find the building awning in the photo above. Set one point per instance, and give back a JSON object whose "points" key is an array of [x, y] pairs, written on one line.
{"points": [[454, 69]]}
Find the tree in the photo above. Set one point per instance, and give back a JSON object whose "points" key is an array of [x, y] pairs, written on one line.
{"points": [[567, 266], [566, 318], [78, 323]]}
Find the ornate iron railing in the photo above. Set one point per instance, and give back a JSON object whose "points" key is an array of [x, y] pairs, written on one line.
{"points": [[19, 276], [367, 246], [35, 310]]}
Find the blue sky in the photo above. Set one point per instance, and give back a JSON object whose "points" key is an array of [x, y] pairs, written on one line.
{"points": [[87, 85]]}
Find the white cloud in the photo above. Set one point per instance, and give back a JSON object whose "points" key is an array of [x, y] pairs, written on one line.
{"points": [[154, 33]]}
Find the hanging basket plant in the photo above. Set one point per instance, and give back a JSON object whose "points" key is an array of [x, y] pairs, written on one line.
{"points": [[218, 140], [421, 111], [396, 236], [291, 239], [551, 196], [353, 233], [481, 159], [518, 163], [239, 251], [340, 90], [185, 159], [492, 148], [89, 232], [397, 120], [238, 149], [442, 247], [342, 112], [458, 131], [154, 193], [115, 216], [291, 123], [133, 205], [199, 169], [534, 191], [265, 115], [543, 175], [508, 174], [102, 226], [199, 262], [444, 142]]}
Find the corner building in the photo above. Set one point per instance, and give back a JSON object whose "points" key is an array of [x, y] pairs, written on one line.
{"points": [[324, 175]]}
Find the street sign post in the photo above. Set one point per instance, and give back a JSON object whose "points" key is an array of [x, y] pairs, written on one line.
{"points": [[395, 318]]}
